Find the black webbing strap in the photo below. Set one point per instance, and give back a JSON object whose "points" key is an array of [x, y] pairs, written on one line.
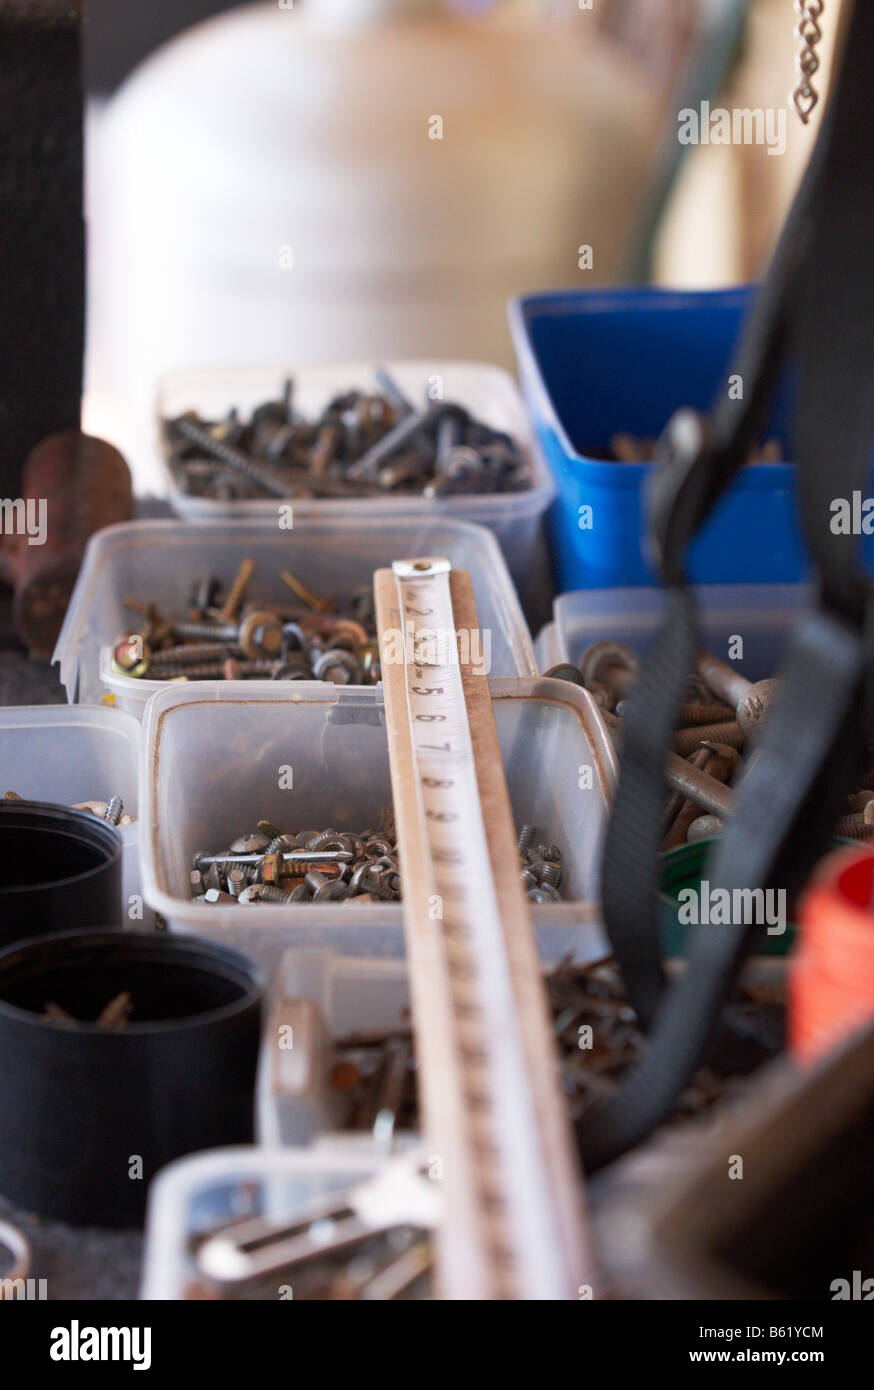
{"points": [[817, 303], [42, 239]]}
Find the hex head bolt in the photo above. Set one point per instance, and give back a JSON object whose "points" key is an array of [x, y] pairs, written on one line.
{"points": [[233, 458]]}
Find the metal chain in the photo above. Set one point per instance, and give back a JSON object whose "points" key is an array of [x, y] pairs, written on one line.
{"points": [[809, 34]]}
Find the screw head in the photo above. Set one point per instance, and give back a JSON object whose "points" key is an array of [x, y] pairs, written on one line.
{"points": [[251, 894], [753, 708], [131, 656], [261, 634], [272, 866]]}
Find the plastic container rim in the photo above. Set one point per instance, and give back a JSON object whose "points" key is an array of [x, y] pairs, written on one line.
{"points": [[522, 309], [161, 706], [534, 500], [227, 958]]}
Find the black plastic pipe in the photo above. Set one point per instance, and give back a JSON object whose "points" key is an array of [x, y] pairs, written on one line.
{"points": [[88, 1114]]}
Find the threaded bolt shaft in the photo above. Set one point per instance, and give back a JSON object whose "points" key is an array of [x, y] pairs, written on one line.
{"points": [[526, 837], [691, 715], [731, 734], [203, 670], [549, 874], [236, 594], [853, 828], [191, 652], [114, 810], [230, 456], [208, 632], [269, 894]]}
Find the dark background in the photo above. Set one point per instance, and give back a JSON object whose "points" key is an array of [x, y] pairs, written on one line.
{"points": [[121, 33]]}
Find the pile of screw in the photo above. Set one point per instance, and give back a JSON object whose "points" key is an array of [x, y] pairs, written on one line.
{"points": [[721, 713], [362, 444], [375, 1076], [633, 448], [112, 811], [598, 1036], [226, 636], [389, 1265], [114, 1016], [268, 865], [721, 716]]}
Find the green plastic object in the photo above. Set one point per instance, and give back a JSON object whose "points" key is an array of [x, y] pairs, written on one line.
{"points": [[686, 867]]}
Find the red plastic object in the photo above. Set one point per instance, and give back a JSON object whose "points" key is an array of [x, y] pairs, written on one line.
{"points": [[831, 980]]}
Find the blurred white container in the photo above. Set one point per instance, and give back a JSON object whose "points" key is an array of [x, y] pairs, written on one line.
{"points": [[66, 754], [762, 615], [323, 997], [546, 647], [488, 392], [158, 561], [198, 1193], [213, 757], [343, 180]]}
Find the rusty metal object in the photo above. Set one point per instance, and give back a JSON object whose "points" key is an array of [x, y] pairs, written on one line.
{"points": [[720, 765], [687, 740], [71, 486]]}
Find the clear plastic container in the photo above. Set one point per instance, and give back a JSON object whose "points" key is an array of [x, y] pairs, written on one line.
{"points": [[350, 994], [546, 647], [66, 754], [488, 392], [214, 759], [761, 614], [325, 997], [160, 560], [202, 1191]]}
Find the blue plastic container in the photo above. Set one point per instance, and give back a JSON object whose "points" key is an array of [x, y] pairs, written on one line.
{"points": [[596, 363]]}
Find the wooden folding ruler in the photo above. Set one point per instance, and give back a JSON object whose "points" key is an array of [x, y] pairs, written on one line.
{"points": [[496, 1129]]}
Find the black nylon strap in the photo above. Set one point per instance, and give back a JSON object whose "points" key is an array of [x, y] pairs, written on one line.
{"points": [[797, 780], [42, 242]]}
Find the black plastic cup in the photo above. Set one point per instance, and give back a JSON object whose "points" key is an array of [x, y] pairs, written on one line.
{"points": [[88, 1115], [59, 869]]}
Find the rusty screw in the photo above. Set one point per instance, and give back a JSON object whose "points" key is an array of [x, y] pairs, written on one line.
{"points": [[230, 611]]}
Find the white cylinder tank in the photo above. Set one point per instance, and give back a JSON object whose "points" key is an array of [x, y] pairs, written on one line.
{"points": [[348, 179]]}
